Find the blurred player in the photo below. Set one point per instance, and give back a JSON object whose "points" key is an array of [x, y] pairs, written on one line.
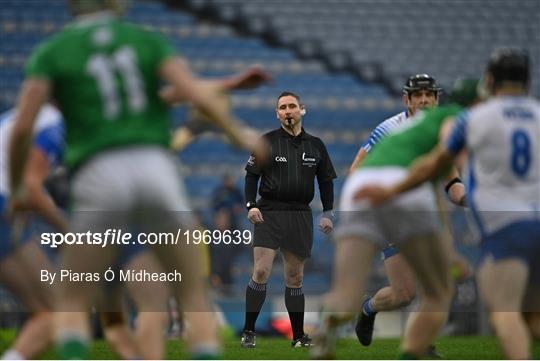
{"points": [[21, 260], [411, 220], [502, 139], [105, 74], [420, 92]]}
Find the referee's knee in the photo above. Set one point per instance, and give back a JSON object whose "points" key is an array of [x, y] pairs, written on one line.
{"points": [[294, 280], [261, 274]]}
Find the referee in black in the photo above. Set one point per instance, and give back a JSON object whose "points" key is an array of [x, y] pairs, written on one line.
{"points": [[282, 216]]}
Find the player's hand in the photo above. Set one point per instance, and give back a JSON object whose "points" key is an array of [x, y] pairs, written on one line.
{"points": [[375, 194], [249, 79], [255, 216], [326, 225]]}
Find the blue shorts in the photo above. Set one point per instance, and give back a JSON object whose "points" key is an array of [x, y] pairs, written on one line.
{"points": [[517, 240]]}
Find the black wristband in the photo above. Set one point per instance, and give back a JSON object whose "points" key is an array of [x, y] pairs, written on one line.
{"points": [[251, 204], [451, 183]]}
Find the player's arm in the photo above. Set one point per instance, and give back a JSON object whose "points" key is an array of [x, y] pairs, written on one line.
{"points": [[34, 93], [35, 174], [455, 189], [187, 86], [429, 166], [358, 159], [249, 79], [376, 135], [423, 169]]}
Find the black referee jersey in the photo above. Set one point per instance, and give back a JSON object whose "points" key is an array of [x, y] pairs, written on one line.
{"points": [[289, 174]]}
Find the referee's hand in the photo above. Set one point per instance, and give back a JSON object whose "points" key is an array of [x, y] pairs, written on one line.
{"points": [[326, 225], [255, 216]]}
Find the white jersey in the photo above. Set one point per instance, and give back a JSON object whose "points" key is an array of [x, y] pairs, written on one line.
{"points": [[502, 137], [48, 117]]}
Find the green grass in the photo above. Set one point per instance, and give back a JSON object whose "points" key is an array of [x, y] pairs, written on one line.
{"points": [[471, 347]]}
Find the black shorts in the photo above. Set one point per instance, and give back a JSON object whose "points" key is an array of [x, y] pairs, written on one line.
{"points": [[286, 226]]}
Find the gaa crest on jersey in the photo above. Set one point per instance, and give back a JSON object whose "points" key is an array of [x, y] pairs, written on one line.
{"points": [[251, 160]]}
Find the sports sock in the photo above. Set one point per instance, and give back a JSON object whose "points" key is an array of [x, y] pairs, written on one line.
{"points": [[12, 354], [72, 345], [255, 296], [367, 308], [208, 351], [295, 303]]}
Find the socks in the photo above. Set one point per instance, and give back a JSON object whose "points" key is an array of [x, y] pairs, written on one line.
{"points": [[73, 345], [295, 303], [206, 352], [367, 308], [255, 296], [12, 354]]}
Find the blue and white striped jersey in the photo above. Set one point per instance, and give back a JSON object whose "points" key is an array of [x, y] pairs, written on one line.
{"points": [[384, 129]]}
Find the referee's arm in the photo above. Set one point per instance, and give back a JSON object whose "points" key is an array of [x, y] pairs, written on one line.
{"points": [[253, 173], [325, 179]]}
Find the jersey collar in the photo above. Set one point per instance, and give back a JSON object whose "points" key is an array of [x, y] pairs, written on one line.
{"points": [[284, 133]]}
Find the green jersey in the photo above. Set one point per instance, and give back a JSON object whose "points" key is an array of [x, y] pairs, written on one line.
{"points": [[104, 78], [412, 141]]}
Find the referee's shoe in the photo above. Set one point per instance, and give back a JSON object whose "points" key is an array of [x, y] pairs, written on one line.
{"points": [[248, 339], [304, 341]]}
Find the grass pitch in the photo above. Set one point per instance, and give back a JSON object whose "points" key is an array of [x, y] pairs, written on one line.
{"points": [[453, 348]]}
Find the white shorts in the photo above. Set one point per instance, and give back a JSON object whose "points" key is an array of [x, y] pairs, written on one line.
{"points": [[411, 214], [136, 185]]}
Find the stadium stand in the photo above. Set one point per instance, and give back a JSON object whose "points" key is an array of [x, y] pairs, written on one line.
{"points": [[388, 40]]}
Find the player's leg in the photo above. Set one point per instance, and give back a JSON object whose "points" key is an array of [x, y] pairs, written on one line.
{"points": [[399, 293], [20, 272], [293, 270], [531, 302], [426, 256], [118, 335], [402, 289], [533, 323], [151, 302], [263, 259], [101, 193], [352, 263], [164, 211], [502, 285]]}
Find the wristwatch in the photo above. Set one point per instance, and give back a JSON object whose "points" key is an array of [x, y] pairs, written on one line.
{"points": [[250, 205]]}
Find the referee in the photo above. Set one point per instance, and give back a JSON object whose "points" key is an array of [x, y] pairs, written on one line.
{"points": [[282, 216]]}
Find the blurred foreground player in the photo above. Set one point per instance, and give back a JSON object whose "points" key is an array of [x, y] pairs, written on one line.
{"points": [[104, 74]]}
